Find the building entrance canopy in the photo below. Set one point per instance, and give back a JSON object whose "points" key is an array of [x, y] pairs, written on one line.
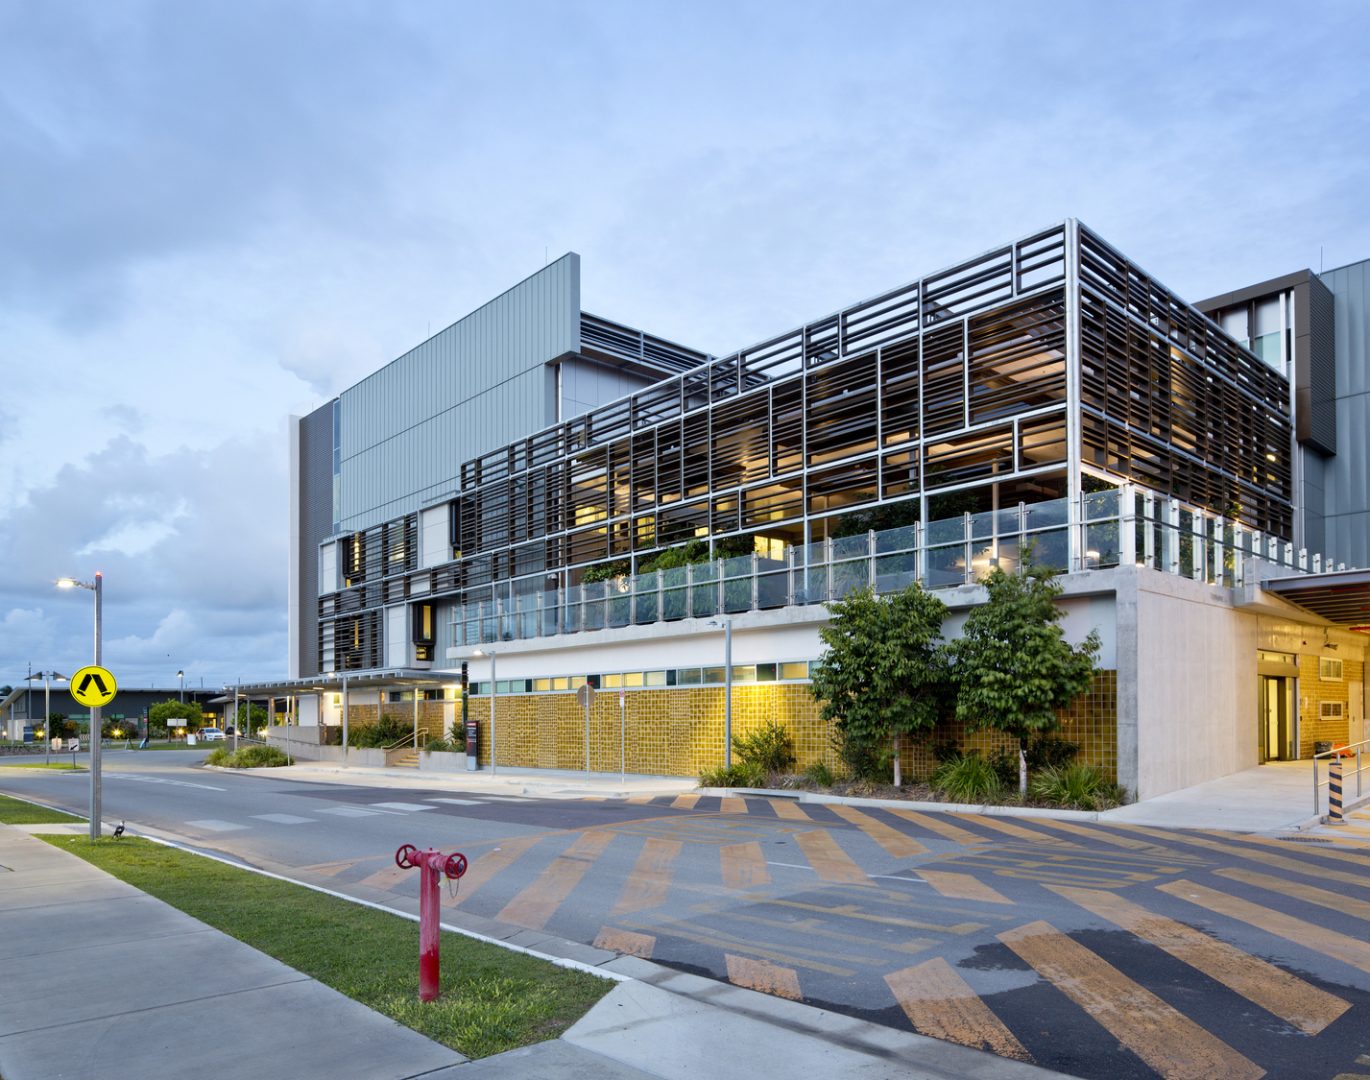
{"points": [[335, 682], [1341, 597]]}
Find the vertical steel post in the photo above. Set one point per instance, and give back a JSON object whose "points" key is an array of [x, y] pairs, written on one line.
{"points": [[728, 693], [494, 697], [96, 717], [622, 735]]}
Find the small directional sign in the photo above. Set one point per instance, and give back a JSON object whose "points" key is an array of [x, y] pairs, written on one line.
{"points": [[93, 686]]}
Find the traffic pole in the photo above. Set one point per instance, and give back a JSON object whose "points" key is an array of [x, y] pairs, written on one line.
{"points": [[1334, 811]]}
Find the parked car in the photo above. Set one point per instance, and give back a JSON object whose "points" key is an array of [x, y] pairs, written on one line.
{"points": [[211, 734]]}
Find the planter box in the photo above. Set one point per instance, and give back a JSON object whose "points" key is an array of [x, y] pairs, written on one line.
{"points": [[442, 761]]}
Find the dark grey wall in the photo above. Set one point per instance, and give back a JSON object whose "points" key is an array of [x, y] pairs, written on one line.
{"points": [[1347, 476], [316, 524]]}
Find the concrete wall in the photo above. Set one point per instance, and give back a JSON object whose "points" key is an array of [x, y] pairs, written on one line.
{"points": [[1187, 684]]}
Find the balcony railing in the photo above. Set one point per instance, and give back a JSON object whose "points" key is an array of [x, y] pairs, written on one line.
{"points": [[1125, 525]]}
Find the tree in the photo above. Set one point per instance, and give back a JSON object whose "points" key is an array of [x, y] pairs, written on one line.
{"points": [[164, 713], [882, 672], [1012, 664], [249, 720]]}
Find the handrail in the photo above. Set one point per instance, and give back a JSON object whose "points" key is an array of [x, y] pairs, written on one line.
{"points": [[400, 743], [1361, 749]]}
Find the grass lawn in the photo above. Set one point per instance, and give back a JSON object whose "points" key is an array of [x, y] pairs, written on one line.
{"points": [[6, 763], [18, 812], [492, 999]]}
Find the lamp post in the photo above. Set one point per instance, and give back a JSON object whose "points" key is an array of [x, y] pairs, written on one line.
{"points": [[96, 712], [494, 694], [182, 676], [46, 676], [47, 712]]}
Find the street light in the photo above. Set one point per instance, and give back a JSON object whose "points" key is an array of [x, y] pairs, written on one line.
{"points": [[96, 712], [182, 676], [494, 694], [46, 676]]}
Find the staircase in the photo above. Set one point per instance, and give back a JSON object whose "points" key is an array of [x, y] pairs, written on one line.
{"points": [[408, 760]]}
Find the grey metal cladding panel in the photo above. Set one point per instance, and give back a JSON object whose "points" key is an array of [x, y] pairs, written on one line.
{"points": [[535, 321], [316, 523], [1350, 288], [465, 391], [401, 473]]}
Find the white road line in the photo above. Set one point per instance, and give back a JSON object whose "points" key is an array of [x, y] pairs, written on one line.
{"points": [[214, 825], [409, 807], [351, 811], [882, 877], [514, 798], [111, 775], [460, 802], [285, 819]]}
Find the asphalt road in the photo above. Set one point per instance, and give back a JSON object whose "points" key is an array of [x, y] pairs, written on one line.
{"points": [[1100, 951]]}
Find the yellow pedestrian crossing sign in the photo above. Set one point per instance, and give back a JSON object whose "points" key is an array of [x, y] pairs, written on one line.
{"points": [[93, 686]]}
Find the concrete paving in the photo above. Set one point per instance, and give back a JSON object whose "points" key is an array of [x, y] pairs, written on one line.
{"points": [[104, 981]]}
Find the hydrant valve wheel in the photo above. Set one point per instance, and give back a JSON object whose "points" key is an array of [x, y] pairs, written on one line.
{"points": [[455, 865], [404, 857]]}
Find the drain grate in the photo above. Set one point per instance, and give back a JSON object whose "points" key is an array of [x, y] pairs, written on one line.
{"points": [[1306, 839]]}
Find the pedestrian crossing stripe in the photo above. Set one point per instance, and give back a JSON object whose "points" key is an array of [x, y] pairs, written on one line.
{"points": [[1294, 1001], [941, 1005], [1309, 935], [1167, 1040]]}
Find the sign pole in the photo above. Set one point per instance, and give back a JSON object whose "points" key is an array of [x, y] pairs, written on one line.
{"points": [[96, 715], [622, 736]]}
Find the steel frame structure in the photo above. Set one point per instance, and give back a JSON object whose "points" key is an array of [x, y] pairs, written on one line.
{"points": [[1037, 370]]}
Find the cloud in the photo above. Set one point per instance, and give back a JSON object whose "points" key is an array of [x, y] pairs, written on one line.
{"points": [[192, 551]]}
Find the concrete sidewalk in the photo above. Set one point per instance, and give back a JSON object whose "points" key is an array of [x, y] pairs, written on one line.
{"points": [[104, 982]]}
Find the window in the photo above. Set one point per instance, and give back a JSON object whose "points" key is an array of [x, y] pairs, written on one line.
{"points": [[1329, 669], [799, 670], [1331, 710]]}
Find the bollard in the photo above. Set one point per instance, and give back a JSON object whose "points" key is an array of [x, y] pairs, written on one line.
{"points": [[1334, 814], [433, 865]]}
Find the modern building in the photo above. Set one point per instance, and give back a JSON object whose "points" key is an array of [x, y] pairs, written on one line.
{"points": [[546, 499]]}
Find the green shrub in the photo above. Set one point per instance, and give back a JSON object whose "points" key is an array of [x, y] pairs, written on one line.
{"points": [[968, 779], [743, 774], [945, 750], [819, 773], [1005, 764], [259, 757], [387, 731], [1080, 787], [1048, 751], [441, 746], [770, 747], [249, 757]]}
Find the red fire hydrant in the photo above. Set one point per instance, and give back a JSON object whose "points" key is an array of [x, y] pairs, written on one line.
{"points": [[434, 865]]}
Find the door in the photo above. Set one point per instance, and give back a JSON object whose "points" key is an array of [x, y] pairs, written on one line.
{"points": [[1276, 718], [1356, 713]]}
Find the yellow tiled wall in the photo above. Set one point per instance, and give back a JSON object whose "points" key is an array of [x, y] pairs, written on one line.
{"points": [[679, 731], [1313, 691], [430, 715]]}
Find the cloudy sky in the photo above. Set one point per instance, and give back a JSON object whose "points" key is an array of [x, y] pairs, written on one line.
{"points": [[216, 214]]}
